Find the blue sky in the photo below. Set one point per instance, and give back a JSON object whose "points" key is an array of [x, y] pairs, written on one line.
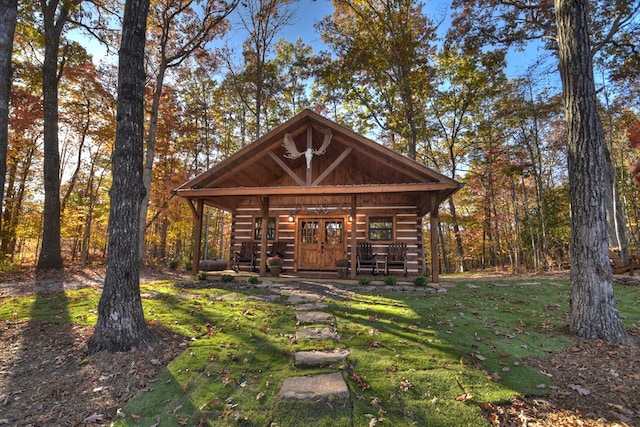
{"points": [[309, 12], [306, 13]]}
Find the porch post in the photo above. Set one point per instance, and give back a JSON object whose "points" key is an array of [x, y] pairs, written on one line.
{"points": [[264, 204], [353, 241], [435, 257], [198, 243]]}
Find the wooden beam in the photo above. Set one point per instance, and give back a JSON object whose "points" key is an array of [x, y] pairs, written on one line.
{"points": [[353, 240], [193, 208], [309, 145], [332, 166], [435, 257], [286, 168], [264, 206], [319, 190], [198, 243]]}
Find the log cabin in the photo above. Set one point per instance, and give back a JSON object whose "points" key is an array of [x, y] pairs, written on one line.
{"points": [[321, 190]]}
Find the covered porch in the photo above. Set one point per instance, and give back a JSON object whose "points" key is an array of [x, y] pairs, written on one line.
{"points": [[323, 190]]}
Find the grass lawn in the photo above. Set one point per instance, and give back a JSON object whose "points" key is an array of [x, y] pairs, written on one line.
{"points": [[416, 359]]}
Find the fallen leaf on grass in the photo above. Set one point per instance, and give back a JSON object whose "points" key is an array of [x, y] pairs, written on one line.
{"points": [[91, 419], [579, 389], [464, 397], [405, 385]]}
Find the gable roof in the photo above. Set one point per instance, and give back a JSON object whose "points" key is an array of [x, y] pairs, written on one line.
{"points": [[350, 165]]}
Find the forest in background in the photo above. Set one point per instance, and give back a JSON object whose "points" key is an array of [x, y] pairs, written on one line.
{"points": [[445, 102]]}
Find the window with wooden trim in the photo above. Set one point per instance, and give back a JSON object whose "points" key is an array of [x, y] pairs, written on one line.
{"points": [[380, 228], [257, 228]]}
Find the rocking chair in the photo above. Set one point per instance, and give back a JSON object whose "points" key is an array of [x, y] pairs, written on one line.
{"points": [[246, 254], [366, 258], [397, 256], [279, 249]]}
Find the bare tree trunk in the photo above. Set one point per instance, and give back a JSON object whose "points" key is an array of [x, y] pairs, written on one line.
{"points": [[458, 238], [149, 156], [8, 17], [54, 19], [593, 310], [12, 212], [121, 325]]}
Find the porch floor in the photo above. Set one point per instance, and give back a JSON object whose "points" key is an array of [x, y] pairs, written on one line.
{"points": [[309, 275]]}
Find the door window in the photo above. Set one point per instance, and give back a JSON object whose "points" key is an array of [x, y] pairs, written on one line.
{"points": [[309, 232], [333, 232]]}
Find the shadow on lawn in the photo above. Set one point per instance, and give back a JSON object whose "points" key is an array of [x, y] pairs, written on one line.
{"points": [[49, 307]]}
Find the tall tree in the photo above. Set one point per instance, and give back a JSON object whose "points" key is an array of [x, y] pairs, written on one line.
{"points": [[593, 310], [121, 325], [179, 29], [55, 14], [263, 20], [384, 50], [8, 18]]}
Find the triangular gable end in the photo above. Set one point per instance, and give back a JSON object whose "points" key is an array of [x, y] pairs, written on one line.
{"points": [[263, 167]]}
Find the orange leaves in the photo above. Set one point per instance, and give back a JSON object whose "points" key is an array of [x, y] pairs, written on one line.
{"points": [[633, 133]]}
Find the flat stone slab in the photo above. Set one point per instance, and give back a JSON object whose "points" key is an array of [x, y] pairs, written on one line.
{"points": [[317, 334], [317, 357], [315, 317], [268, 297], [226, 297], [302, 297], [315, 387], [312, 306]]}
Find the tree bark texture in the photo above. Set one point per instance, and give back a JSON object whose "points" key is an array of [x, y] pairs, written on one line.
{"points": [[593, 311], [8, 17], [54, 21], [121, 325]]}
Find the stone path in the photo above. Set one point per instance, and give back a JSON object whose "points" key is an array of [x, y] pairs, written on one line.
{"points": [[321, 398], [326, 392]]}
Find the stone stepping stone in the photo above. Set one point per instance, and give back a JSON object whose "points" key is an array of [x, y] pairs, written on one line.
{"points": [[315, 387], [312, 306], [302, 297], [315, 317], [317, 357], [317, 334], [267, 298], [225, 297]]}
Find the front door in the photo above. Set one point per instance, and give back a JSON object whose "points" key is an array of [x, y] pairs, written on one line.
{"points": [[320, 243]]}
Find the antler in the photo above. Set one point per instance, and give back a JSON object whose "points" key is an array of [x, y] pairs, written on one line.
{"points": [[290, 146], [325, 143]]}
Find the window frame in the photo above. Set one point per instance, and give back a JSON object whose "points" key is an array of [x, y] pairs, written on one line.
{"points": [[256, 231], [385, 234]]}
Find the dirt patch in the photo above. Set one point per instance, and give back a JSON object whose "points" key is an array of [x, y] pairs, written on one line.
{"points": [[597, 384], [47, 379]]}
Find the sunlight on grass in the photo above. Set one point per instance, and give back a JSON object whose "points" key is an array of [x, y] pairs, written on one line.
{"points": [[415, 358]]}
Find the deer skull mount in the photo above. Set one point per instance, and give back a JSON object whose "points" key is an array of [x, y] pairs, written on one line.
{"points": [[293, 153]]}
